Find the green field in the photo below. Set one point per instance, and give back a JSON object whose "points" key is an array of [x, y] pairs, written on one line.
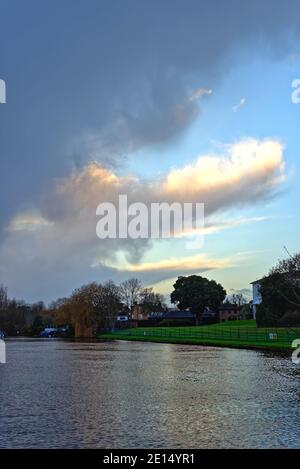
{"points": [[239, 334]]}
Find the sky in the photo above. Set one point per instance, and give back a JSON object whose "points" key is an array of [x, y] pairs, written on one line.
{"points": [[185, 101]]}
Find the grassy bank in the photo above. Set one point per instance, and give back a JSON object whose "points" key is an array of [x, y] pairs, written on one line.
{"points": [[238, 334]]}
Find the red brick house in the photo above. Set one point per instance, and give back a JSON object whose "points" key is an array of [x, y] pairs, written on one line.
{"points": [[230, 312]]}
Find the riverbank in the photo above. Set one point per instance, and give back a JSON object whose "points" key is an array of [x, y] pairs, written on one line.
{"points": [[237, 334]]}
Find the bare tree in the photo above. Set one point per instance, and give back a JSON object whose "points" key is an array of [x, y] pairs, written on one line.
{"points": [[109, 303], [130, 292], [152, 301], [237, 299]]}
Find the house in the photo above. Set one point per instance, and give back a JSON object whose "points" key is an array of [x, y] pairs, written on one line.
{"points": [[157, 315], [256, 296], [174, 315], [208, 317], [138, 313], [230, 312]]}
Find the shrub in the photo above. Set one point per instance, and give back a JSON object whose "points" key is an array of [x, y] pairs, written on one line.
{"points": [[174, 323], [290, 318]]}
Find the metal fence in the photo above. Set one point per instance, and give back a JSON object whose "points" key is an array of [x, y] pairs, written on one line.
{"points": [[220, 333]]}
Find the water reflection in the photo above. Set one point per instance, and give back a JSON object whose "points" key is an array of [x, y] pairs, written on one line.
{"points": [[127, 394]]}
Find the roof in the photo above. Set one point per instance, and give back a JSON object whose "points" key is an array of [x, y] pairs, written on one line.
{"points": [[297, 273], [256, 281], [226, 306], [178, 315]]}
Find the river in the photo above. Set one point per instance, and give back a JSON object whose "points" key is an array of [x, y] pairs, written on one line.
{"points": [[64, 394]]}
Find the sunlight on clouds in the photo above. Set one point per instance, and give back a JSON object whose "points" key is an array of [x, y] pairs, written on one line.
{"points": [[28, 222], [65, 222], [242, 161], [199, 261]]}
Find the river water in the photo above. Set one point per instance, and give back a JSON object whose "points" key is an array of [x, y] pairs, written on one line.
{"points": [[64, 394]]}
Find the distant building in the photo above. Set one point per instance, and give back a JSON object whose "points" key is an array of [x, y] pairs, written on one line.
{"points": [[177, 315], [138, 313], [230, 312], [256, 296], [208, 316], [157, 315]]}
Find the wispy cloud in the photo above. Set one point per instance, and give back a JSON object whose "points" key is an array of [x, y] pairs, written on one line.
{"points": [[216, 226], [198, 262], [199, 92], [28, 222], [293, 57], [239, 105]]}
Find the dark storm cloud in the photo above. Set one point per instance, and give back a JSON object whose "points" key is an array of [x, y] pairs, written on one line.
{"points": [[103, 78], [96, 80]]}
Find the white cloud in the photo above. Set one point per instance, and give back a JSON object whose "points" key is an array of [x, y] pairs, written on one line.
{"points": [[199, 92], [198, 262], [247, 171], [28, 222], [240, 104]]}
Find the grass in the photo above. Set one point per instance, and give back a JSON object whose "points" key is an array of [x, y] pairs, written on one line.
{"points": [[238, 334]]}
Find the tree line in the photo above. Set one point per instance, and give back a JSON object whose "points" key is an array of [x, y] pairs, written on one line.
{"points": [[18, 317], [97, 305], [89, 308]]}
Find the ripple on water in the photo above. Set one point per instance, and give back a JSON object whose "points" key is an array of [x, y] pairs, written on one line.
{"points": [[121, 394]]}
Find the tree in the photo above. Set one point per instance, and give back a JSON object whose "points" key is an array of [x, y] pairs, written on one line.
{"points": [[83, 309], [149, 298], [151, 301], [89, 307], [3, 298], [130, 292], [37, 325], [197, 293], [13, 315], [109, 304], [280, 293], [289, 270], [3, 306], [246, 312], [237, 299]]}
